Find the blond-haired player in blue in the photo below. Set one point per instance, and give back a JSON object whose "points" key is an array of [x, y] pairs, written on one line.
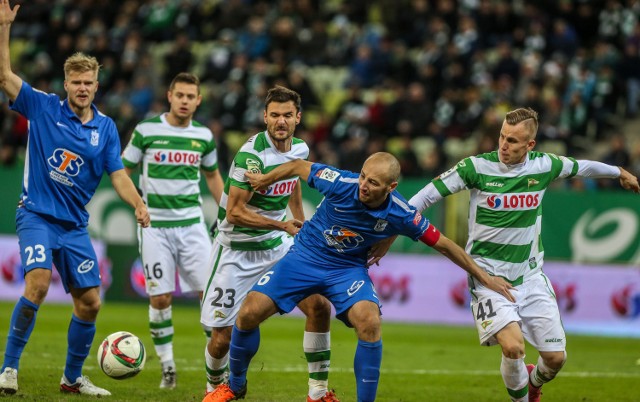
{"points": [[71, 144]]}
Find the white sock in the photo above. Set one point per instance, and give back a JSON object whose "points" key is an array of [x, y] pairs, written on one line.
{"points": [[516, 378], [216, 369], [161, 328], [317, 350], [542, 374]]}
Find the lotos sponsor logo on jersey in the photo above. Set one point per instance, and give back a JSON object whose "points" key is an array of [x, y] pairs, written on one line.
{"points": [[177, 157], [513, 201], [65, 161], [284, 187]]}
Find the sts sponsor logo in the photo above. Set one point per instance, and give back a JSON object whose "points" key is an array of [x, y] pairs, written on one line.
{"points": [[626, 302], [342, 238], [65, 161]]}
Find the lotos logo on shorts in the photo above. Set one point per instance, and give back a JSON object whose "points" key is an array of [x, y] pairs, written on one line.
{"points": [[177, 157], [514, 201], [342, 238], [65, 161], [85, 266]]}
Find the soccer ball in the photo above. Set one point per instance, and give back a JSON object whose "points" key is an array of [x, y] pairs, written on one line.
{"points": [[121, 355]]}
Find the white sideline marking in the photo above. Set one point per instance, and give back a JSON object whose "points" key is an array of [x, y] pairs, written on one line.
{"points": [[488, 373]]}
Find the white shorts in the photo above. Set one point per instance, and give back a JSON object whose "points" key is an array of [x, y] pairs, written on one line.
{"points": [[186, 249], [535, 310], [234, 273]]}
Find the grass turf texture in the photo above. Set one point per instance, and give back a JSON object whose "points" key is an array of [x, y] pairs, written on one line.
{"points": [[420, 362]]}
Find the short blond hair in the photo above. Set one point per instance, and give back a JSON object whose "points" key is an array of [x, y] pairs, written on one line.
{"points": [[81, 63], [527, 115]]}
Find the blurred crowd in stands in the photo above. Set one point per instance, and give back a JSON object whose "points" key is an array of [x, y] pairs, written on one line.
{"points": [[429, 80]]}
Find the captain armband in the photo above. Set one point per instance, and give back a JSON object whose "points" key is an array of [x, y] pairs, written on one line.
{"points": [[430, 236]]}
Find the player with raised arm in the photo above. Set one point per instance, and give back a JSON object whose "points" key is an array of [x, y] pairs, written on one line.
{"points": [[329, 257], [253, 234], [173, 149], [507, 187], [71, 144]]}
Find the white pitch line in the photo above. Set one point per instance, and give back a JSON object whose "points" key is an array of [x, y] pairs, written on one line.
{"points": [[487, 373]]}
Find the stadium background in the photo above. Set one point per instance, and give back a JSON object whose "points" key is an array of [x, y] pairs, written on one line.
{"points": [[428, 80]]}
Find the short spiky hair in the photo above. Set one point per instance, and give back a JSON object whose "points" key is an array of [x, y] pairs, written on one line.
{"points": [[186, 78], [81, 63], [528, 115], [282, 95]]}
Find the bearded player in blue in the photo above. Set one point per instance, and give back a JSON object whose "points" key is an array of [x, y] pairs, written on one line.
{"points": [[71, 144], [329, 257]]}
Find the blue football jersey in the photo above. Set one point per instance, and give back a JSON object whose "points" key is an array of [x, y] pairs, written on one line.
{"points": [[65, 159], [343, 228]]}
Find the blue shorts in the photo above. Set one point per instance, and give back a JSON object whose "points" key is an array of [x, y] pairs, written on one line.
{"points": [[298, 276], [45, 241]]}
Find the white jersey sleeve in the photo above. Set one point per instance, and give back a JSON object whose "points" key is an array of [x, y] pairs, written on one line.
{"points": [[597, 170]]}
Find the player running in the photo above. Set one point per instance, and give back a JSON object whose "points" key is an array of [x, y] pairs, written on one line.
{"points": [[505, 216]]}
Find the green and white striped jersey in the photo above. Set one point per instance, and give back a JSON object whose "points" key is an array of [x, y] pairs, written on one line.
{"points": [[171, 160], [259, 154], [505, 212]]}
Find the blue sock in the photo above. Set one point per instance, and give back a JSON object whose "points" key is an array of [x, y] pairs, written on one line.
{"points": [[79, 340], [244, 345], [21, 325], [366, 366]]}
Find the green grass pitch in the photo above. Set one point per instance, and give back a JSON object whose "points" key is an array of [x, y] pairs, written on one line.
{"points": [[420, 362]]}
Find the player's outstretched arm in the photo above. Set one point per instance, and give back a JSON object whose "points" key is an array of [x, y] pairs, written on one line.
{"points": [[299, 167], [127, 191], [629, 181], [10, 83], [455, 253]]}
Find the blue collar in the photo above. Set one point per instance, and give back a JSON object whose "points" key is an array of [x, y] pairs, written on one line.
{"points": [[93, 123], [380, 212]]}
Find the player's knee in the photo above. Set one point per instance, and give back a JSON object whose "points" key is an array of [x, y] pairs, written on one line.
{"points": [[367, 326], [160, 302], [513, 350], [250, 316], [555, 360], [36, 292], [88, 310], [316, 308]]}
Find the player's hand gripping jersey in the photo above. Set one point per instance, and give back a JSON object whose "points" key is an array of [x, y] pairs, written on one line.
{"points": [[343, 228]]}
